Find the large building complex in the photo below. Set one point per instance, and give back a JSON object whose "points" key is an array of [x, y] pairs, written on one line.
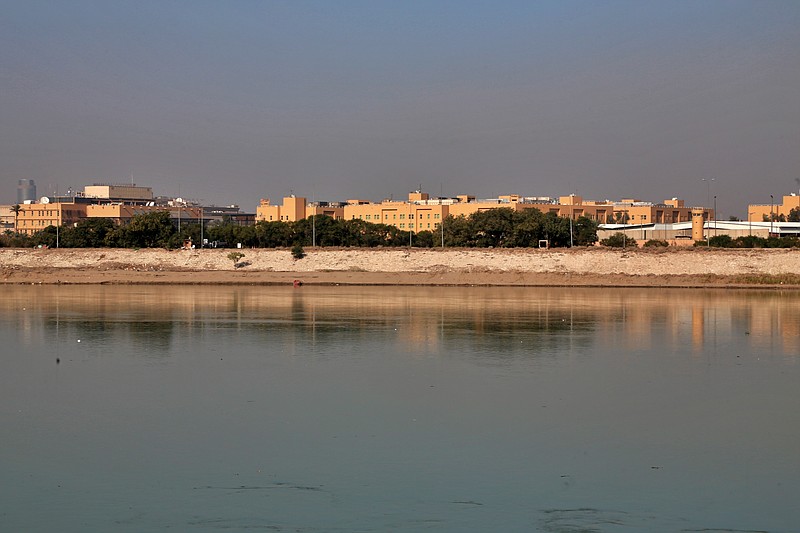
{"points": [[119, 203], [421, 212]]}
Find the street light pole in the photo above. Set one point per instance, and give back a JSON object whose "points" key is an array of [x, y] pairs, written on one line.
{"points": [[708, 189], [715, 215], [771, 216]]}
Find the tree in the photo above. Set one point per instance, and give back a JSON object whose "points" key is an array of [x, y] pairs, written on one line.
{"points": [[16, 208], [585, 231], [150, 230], [794, 215], [87, 233]]}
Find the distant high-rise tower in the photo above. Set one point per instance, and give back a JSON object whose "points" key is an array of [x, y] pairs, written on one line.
{"points": [[26, 190]]}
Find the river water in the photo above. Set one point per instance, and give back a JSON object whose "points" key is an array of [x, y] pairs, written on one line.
{"points": [[398, 409]]}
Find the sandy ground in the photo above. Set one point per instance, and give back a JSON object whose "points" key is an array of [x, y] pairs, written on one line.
{"points": [[584, 267]]}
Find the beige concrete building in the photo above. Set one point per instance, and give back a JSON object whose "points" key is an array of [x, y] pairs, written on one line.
{"points": [[122, 214], [35, 217], [114, 192], [6, 218], [296, 208], [419, 213], [762, 212]]}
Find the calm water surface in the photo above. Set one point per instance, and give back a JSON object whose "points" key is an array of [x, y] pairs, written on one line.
{"points": [[398, 409]]}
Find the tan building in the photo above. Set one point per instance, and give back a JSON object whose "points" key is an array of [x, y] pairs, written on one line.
{"points": [[419, 213], [766, 212], [114, 192], [296, 208], [122, 214], [673, 211], [35, 217], [6, 218]]}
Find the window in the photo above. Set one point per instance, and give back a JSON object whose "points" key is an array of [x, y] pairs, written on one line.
{"points": [[402, 225], [436, 216], [411, 216], [402, 216]]}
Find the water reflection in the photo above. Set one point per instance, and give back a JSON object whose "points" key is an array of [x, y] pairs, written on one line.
{"points": [[383, 408], [507, 321]]}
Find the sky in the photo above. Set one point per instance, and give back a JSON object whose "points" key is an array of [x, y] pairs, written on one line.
{"points": [[228, 102]]}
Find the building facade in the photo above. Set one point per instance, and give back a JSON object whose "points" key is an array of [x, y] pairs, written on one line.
{"points": [[774, 212], [34, 217]]}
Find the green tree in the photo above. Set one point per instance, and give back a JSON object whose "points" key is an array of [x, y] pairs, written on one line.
{"points": [[149, 230], [584, 231], [87, 233], [16, 208]]}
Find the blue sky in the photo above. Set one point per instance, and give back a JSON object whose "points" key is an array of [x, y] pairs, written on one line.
{"points": [[229, 102]]}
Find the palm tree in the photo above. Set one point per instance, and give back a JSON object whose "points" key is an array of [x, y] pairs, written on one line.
{"points": [[16, 208]]}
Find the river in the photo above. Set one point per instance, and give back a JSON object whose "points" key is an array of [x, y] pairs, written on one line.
{"points": [[138, 408]]}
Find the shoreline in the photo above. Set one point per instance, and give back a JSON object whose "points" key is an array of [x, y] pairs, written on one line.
{"points": [[587, 267]]}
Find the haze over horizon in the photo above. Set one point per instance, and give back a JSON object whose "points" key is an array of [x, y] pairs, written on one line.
{"points": [[230, 102]]}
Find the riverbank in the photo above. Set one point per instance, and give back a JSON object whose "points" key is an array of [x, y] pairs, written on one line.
{"points": [[509, 267]]}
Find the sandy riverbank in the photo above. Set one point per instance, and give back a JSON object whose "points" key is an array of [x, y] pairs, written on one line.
{"points": [[580, 267]]}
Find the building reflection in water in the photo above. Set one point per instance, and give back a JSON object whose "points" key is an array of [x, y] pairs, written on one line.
{"points": [[504, 321]]}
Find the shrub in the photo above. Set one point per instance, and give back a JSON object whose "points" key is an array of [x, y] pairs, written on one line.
{"points": [[618, 240], [235, 256], [721, 241], [656, 243], [297, 251]]}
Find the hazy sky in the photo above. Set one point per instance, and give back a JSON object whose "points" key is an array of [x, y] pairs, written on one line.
{"points": [[231, 101]]}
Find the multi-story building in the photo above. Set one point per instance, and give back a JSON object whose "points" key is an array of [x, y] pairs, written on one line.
{"points": [[421, 212], [125, 193], [296, 208], [34, 217], [122, 214], [767, 212]]}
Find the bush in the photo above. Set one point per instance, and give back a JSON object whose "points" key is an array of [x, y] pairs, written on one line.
{"points": [[721, 241], [235, 256], [297, 251], [618, 240], [656, 243]]}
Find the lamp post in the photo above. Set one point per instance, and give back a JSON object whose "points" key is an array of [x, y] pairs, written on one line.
{"points": [[771, 216], [750, 220], [708, 189], [715, 215]]}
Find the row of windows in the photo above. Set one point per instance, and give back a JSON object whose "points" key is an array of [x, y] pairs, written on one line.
{"points": [[395, 216]]}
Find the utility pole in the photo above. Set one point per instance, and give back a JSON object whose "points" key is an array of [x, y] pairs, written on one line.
{"points": [[771, 215], [715, 215]]}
